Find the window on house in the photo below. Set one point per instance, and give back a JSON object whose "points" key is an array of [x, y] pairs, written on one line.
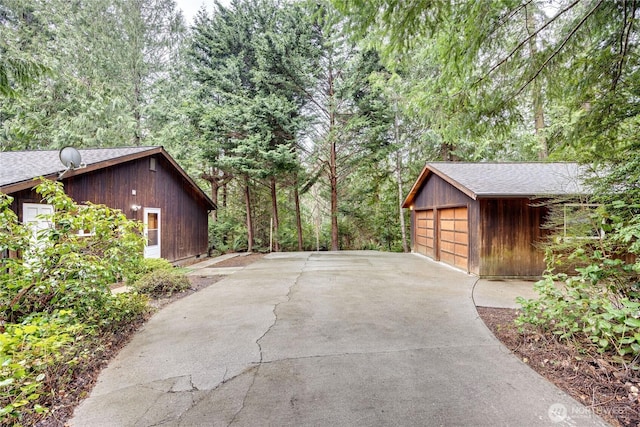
{"points": [[84, 232], [581, 221]]}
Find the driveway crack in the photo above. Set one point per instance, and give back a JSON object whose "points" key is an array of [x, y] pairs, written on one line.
{"points": [[244, 399], [256, 368], [277, 305]]}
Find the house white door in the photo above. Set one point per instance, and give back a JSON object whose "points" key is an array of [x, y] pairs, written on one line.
{"points": [[30, 212], [152, 232], [30, 216]]}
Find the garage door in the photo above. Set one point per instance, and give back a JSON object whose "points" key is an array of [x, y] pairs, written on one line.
{"points": [[453, 242], [425, 232]]}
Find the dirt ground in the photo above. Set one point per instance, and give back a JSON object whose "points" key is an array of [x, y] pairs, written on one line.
{"points": [[606, 388]]}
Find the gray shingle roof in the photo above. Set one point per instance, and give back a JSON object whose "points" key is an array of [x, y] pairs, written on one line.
{"points": [[18, 166], [504, 180], [514, 179]]}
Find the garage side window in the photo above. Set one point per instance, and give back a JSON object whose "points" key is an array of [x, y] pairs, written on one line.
{"points": [[581, 221]]}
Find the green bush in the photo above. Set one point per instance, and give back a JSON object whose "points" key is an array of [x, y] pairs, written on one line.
{"points": [[597, 305], [147, 265], [63, 269], [120, 310], [160, 283], [27, 351], [55, 301], [152, 264]]}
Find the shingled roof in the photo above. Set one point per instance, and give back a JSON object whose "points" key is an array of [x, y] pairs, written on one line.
{"points": [[489, 180], [19, 168]]}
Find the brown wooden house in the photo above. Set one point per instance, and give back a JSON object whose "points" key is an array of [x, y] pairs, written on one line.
{"points": [[145, 183], [485, 218]]}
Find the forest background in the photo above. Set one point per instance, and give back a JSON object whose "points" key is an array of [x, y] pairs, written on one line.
{"points": [[307, 121], [311, 118]]}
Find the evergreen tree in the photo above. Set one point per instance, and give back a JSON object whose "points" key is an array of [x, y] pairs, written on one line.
{"points": [[251, 61]]}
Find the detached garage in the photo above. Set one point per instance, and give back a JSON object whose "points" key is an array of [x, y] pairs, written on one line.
{"points": [[482, 217]]}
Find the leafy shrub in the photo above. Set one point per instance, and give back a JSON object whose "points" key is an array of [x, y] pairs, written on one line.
{"points": [[585, 313], [147, 265], [162, 283], [121, 309], [597, 305], [27, 351], [54, 296], [152, 264], [63, 269]]}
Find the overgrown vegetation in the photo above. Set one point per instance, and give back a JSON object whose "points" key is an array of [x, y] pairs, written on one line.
{"points": [[162, 282], [55, 301], [590, 294]]}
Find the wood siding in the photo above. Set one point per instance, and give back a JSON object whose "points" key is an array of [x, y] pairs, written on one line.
{"points": [[453, 237], [501, 238], [510, 230], [425, 233], [436, 195], [184, 218]]}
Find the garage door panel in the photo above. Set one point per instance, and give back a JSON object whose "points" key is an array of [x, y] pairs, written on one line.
{"points": [[461, 250], [448, 247], [447, 224], [425, 234], [461, 263], [461, 226], [461, 214], [453, 237], [447, 236], [461, 238], [447, 214], [448, 258]]}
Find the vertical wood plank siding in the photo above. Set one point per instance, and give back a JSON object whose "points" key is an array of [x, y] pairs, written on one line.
{"points": [[184, 216], [502, 233], [510, 229], [437, 194]]}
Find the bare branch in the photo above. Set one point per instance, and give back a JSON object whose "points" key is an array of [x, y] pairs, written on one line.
{"points": [[525, 41], [559, 48]]}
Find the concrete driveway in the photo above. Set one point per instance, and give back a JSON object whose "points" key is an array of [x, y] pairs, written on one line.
{"points": [[325, 339]]}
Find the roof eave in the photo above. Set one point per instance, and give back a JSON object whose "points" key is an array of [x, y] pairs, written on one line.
{"points": [[24, 185], [428, 168], [526, 196]]}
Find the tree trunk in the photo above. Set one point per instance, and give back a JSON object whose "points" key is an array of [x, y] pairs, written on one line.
{"points": [[536, 87], [396, 135], [333, 167], [217, 180], [296, 196], [333, 178], [247, 200], [225, 238], [137, 115], [274, 210], [224, 195], [215, 187]]}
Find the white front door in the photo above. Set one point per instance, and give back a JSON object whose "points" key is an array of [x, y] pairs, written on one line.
{"points": [[31, 216], [152, 232], [30, 212]]}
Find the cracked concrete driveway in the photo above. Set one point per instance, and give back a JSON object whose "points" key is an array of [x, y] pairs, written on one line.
{"points": [[333, 338]]}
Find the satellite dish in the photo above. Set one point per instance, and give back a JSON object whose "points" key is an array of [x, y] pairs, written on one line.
{"points": [[70, 158]]}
